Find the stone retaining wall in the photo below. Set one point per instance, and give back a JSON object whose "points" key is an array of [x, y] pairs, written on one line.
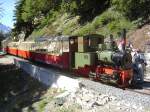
{"points": [[49, 77]]}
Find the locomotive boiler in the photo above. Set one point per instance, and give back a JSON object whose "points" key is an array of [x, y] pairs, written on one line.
{"points": [[109, 54], [114, 64]]}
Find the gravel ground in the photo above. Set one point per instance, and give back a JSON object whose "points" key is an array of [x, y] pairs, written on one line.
{"points": [[101, 98], [124, 97]]}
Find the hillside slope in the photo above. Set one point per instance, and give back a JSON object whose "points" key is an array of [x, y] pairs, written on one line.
{"points": [[80, 17], [109, 22], [140, 37]]}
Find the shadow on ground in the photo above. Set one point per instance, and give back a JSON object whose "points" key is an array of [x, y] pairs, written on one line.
{"points": [[146, 85], [18, 89]]}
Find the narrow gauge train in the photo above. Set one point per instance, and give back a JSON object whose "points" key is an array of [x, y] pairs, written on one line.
{"points": [[87, 56]]}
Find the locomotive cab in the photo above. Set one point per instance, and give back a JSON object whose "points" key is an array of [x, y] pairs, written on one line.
{"points": [[85, 58]]}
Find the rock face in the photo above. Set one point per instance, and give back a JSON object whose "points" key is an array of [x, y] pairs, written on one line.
{"points": [[140, 37], [92, 101], [89, 99]]}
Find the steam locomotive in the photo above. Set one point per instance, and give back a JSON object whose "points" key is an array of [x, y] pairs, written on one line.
{"points": [[87, 56]]}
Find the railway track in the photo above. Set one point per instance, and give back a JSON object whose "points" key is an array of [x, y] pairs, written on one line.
{"points": [[144, 91], [141, 89]]}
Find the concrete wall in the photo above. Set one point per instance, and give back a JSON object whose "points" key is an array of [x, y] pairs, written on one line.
{"points": [[147, 57], [49, 77]]}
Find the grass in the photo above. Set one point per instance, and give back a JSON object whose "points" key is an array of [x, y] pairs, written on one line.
{"points": [[42, 105], [110, 22], [49, 99], [70, 108]]}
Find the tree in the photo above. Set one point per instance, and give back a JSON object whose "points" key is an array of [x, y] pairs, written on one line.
{"points": [[28, 10], [133, 9], [19, 24]]}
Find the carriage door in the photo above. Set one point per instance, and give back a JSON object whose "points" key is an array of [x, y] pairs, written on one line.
{"points": [[73, 47]]}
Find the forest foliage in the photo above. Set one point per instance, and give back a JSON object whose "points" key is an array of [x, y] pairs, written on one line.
{"points": [[93, 16]]}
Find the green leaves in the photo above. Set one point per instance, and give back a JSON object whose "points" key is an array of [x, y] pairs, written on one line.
{"points": [[133, 9], [96, 16]]}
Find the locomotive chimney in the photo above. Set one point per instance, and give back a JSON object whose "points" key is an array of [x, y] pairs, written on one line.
{"points": [[123, 39]]}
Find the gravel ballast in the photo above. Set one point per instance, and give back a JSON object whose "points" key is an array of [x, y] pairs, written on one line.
{"points": [[128, 97]]}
